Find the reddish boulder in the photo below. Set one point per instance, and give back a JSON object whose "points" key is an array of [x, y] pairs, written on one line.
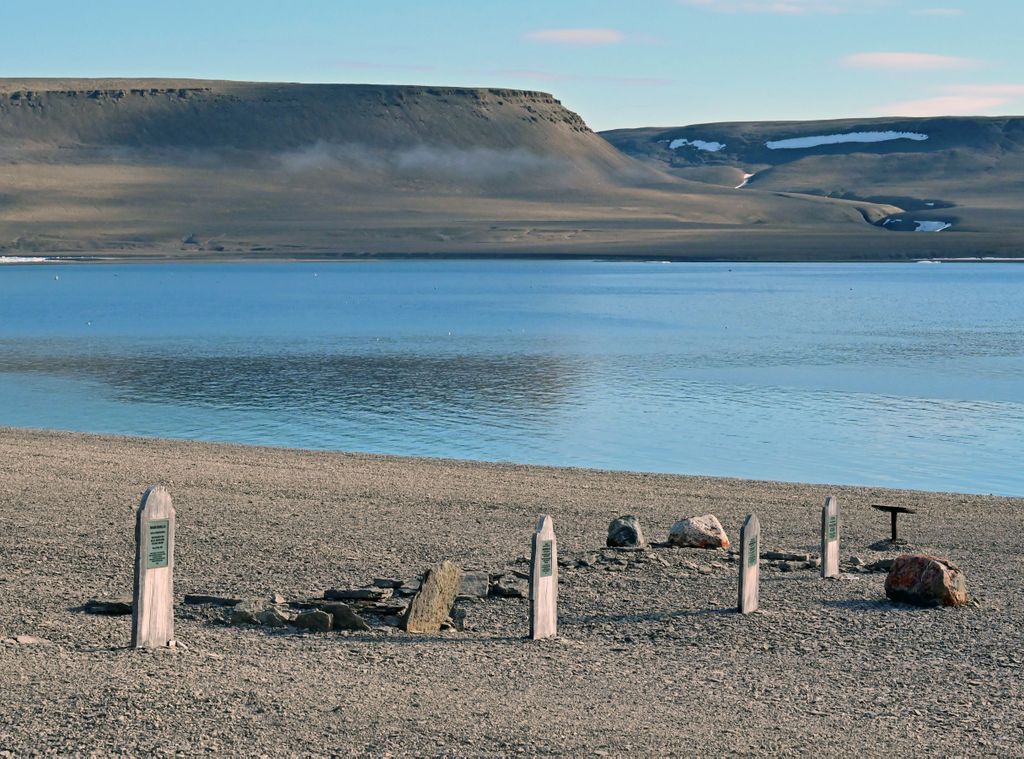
{"points": [[922, 580]]}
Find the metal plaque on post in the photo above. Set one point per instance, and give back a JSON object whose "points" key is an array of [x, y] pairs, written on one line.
{"points": [[153, 599], [544, 581]]}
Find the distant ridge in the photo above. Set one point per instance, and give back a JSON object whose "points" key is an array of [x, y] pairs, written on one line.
{"points": [[195, 168]]}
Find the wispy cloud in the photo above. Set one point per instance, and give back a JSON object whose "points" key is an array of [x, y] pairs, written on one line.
{"points": [[554, 76], [943, 105], [908, 62], [958, 100], [779, 7], [577, 36], [939, 12]]}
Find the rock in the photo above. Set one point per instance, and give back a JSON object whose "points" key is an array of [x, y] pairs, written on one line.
{"points": [[111, 607], [812, 563], [475, 584], [272, 617], [625, 532], [433, 603], [784, 556], [386, 582], [699, 532], [409, 587], [785, 566], [314, 620], [199, 598], [358, 594], [855, 561], [509, 586], [276, 598], [924, 580], [30, 640], [458, 619], [246, 612], [344, 617], [882, 565]]}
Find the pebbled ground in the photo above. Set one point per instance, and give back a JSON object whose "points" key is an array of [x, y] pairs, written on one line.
{"points": [[651, 658]]}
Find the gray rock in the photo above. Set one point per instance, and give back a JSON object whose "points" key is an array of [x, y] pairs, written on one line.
{"points": [[386, 582], [855, 561], [785, 566], [812, 563], [276, 598], [358, 594], [475, 584], [433, 603], [314, 620], [246, 612], [625, 532], [882, 565], [784, 556], [458, 619], [510, 586], [344, 617], [111, 607], [272, 617], [699, 532]]}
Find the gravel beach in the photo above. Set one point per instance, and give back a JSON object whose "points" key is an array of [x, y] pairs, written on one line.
{"points": [[651, 658]]}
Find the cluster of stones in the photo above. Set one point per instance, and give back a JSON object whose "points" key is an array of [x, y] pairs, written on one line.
{"points": [[917, 579]]}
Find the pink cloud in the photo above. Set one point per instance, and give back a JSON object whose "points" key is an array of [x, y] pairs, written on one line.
{"points": [[577, 36], [908, 62], [781, 7], [944, 105]]}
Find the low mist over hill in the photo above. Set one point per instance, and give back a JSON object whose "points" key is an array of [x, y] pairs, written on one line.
{"points": [[199, 168], [957, 175]]}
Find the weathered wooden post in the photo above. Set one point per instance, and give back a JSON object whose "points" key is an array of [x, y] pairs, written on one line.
{"points": [[830, 538], [750, 564], [544, 581], [153, 604]]}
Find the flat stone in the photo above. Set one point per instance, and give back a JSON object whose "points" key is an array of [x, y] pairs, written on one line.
{"points": [[625, 532], [882, 565], [314, 620], [200, 598], [344, 617], [475, 584], [358, 594], [111, 607], [30, 640], [784, 556], [276, 598], [386, 582], [698, 532], [510, 586], [925, 580], [433, 603], [246, 612]]}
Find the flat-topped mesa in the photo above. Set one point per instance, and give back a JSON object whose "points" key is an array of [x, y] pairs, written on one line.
{"points": [[273, 117]]}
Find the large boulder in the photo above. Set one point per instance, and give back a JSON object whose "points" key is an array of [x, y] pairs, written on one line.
{"points": [[924, 580], [698, 532], [433, 602], [625, 532]]}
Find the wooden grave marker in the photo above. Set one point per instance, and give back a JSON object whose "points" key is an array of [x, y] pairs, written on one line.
{"points": [[830, 538], [750, 564], [544, 581], [152, 602]]}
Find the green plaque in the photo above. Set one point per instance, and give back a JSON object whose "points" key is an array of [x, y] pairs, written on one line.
{"points": [[156, 546], [545, 559], [833, 527], [752, 554]]}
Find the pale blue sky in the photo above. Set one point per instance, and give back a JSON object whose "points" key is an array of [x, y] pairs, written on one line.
{"points": [[619, 64]]}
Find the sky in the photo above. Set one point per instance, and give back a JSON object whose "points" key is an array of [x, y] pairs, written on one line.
{"points": [[617, 63]]}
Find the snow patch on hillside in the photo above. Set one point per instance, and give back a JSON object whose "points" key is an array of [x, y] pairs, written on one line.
{"points": [[931, 226], [708, 145], [836, 139], [746, 180]]}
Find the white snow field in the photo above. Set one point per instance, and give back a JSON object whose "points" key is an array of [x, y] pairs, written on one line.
{"points": [[836, 139], [710, 146]]}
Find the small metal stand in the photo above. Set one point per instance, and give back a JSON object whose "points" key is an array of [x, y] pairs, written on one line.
{"points": [[894, 511]]}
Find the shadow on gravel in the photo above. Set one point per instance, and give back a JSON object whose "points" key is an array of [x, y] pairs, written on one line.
{"points": [[649, 617], [862, 605]]}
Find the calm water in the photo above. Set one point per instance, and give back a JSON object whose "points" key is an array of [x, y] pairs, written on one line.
{"points": [[894, 374]]}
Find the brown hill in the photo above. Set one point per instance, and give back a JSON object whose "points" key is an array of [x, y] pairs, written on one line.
{"points": [[195, 168]]}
